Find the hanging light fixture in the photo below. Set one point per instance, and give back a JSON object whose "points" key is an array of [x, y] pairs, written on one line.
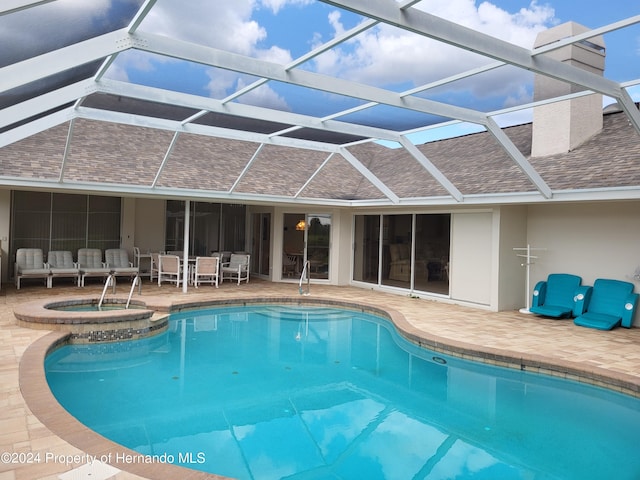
{"points": [[301, 225]]}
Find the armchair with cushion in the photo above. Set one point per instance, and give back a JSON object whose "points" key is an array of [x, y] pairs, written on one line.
{"points": [[91, 264], [62, 265], [237, 268], [608, 304], [117, 260], [555, 296], [30, 264], [400, 264]]}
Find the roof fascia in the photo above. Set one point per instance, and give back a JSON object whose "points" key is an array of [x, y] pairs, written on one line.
{"points": [[162, 192]]}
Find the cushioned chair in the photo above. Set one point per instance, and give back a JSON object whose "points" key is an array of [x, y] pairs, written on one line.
{"points": [[30, 264], [400, 264], [555, 297], [117, 260], [606, 305], [91, 264], [237, 268], [62, 265]]}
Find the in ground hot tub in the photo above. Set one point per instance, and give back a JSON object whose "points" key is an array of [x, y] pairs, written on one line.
{"points": [[87, 323]]}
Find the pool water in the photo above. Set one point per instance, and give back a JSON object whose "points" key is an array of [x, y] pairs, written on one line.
{"points": [[275, 392]]}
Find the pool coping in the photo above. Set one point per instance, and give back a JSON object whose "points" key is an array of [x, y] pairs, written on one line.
{"points": [[45, 407]]}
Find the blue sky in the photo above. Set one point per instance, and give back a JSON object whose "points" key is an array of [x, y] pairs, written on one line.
{"points": [[282, 30]]}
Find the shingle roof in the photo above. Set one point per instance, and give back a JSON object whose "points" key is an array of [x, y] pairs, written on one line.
{"points": [[123, 155]]}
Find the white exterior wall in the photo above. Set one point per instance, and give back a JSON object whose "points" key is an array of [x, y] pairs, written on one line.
{"points": [[472, 262], [593, 240], [150, 223]]}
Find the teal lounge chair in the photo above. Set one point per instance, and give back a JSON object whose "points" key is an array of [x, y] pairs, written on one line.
{"points": [[555, 297], [606, 305]]}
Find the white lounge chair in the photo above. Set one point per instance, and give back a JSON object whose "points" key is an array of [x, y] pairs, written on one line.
{"points": [[117, 260], [91, 264], [62, 265], [30, 264]]}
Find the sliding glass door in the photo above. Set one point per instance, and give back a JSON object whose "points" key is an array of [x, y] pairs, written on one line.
{"points": [[306, 237], [409, 251]]}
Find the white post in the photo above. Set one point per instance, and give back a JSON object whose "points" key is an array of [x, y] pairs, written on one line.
{"points": [[527, 264], [185, 252]]}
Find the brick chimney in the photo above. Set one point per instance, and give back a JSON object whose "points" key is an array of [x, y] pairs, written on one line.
{"points": [[561, 126]]}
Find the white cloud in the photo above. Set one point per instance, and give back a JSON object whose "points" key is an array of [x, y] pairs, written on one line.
{"points": [[385, 55], [224, 25], [263, 96], [277, 5]]}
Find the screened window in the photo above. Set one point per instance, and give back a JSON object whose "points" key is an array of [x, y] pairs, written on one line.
{"points": [[61, 221]]}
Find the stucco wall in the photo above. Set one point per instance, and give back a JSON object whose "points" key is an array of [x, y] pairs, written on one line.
{"points": [[593, 240]]}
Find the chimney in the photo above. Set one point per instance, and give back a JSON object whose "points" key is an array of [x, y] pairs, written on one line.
{"points": [[561, 126]]}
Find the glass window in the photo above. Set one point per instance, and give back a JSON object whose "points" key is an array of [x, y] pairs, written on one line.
{"points": [[213, 227]]}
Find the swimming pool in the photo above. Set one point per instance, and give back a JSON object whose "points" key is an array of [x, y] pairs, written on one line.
{"points": [[267, 392]]}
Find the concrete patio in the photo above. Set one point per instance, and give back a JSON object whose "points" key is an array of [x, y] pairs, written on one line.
{"points": [[506, 338]]}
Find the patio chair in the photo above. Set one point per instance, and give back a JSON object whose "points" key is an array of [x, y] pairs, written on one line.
{"points": [[30, 264], [91, 264], [207, 270], [169, 269], [237, 268], [117, 260], [289, 264], [606, 305], [62, 265], [555, 297]]}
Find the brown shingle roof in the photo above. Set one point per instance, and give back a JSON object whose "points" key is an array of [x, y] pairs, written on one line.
{"points": [[475, 164]]}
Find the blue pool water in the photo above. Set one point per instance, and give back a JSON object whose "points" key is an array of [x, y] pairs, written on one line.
{"points": [[313, 393]]}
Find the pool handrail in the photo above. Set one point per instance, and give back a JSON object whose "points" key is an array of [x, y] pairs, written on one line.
{"points": [[136, 281], [305, 270], [109, 281]]}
